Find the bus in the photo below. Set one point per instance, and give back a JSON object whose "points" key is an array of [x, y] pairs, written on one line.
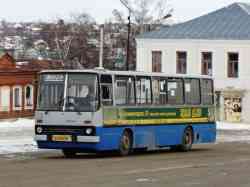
{"points": [[100, 110]]}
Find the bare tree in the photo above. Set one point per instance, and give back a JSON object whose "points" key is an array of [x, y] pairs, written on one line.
{"points": [[70, 40], [145, 12]]}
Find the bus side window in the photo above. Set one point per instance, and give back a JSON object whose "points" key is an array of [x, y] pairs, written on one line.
{"points": [[207, 92], [143, 90], [124, 91], [159, 88], [192, 91], [175, 91], [106, 90]]}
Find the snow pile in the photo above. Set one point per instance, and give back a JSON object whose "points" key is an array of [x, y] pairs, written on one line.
{"points": [[233, 132], [18, 124], [16, 136], [232, 126]]}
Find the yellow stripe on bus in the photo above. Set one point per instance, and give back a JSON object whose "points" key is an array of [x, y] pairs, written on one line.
{"points": [[155, 121]]}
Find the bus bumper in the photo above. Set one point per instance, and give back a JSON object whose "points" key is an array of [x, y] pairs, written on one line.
{"points": [[81, 143], [79, 139]]}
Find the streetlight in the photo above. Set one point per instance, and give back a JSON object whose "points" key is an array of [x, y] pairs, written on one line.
{"points": [[124, 2]]}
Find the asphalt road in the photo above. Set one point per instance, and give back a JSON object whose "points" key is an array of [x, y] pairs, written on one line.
{"points": [[221, 164]]}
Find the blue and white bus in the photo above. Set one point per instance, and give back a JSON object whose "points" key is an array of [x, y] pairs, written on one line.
{"points": [[100, 110]]}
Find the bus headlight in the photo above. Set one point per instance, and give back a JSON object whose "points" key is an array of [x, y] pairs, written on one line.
{"points": [[39, 130], [89, 131]]}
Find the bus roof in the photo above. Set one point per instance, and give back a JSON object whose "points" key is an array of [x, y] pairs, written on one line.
{"points": [[133, 73]]}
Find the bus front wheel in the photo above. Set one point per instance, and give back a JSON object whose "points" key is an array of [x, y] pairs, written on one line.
{"points": [[125, 146]]}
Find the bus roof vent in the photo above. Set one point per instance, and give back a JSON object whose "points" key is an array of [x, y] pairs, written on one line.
{"points": [[100, 69]]}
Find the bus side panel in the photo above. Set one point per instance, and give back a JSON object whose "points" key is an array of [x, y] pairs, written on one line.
{"points": [[169, 134], [152, 137], [204, 133], [110, 138], [144, 137]]}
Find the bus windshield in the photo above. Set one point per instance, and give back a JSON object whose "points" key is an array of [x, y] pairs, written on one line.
{"points": [[82, 92], [51, 92]]}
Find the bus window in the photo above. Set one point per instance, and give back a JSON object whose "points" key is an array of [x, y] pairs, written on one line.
{"points": [[125, 91], [143, 90], [207, 91], [192, 91], [159, 88], [175, 91], [106, 90]]}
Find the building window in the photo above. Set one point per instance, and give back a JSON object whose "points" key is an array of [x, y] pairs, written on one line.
{"points": [[156, 61], [181, 62], [17, 97], [29, 95], [5, 98], [233, 65], [206, 63]]}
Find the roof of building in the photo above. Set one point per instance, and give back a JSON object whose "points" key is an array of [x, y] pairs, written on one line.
{"points": [[9, 64], [39, 65], [229, 23]]}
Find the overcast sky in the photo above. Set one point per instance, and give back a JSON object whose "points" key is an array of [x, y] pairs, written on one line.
{"points": [[101, 10]]}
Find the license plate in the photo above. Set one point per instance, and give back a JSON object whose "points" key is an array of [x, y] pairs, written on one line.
{"points": [[62, 138]]}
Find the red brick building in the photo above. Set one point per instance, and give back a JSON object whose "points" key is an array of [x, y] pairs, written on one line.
{"points": [[18, 85]]}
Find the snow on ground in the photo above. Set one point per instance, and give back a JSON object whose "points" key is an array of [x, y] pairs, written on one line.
{"points": [[16, 136], [233, 132], [232, 126]]}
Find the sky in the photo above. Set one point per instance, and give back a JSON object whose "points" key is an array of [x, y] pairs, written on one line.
{"points": [[101, 10]]}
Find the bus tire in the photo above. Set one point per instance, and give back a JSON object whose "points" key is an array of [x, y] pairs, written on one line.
{"points": [[187, 140], [69, 153], [126, 142]]}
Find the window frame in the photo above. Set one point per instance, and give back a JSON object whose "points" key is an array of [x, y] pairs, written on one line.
{"points": [[151, 94], [200, 94], [212, 91], [231, 65], [115, 86], [155, 63], [109, 85], [31, 96], [158, 78], [206, 62], [183, 90], [17, 108], [179, 62]]}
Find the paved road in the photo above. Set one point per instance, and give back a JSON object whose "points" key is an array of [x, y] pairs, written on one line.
{"points": [[221, 164]]}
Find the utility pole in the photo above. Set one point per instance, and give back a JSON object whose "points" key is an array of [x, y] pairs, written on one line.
{"points": [[101, 47], [128, 42], [129, 28]]}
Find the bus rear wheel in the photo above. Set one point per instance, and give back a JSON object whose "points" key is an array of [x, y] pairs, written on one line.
{"points": [[125, 146], [69, 153], [187, 140]]}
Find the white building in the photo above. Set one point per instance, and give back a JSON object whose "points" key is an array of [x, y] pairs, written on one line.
{"points": [[216, 44]]}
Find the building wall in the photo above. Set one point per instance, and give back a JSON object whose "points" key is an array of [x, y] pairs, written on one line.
{"points": [[246, 107], [194, 48], [8, 82]]}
